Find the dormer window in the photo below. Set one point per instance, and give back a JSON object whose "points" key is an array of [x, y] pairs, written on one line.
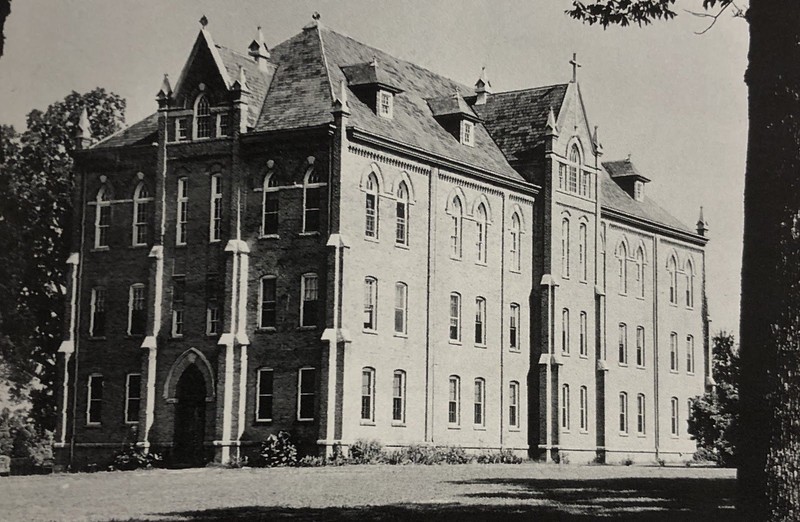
{"points": [[638, 190], [385, 104], [467, 133], [202, 118]]}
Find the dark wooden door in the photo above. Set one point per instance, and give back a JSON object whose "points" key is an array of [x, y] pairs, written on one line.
{"points": [[190, 419]]}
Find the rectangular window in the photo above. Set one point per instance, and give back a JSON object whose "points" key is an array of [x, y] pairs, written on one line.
{"points": [[223, 124], [370, 303], [513, 327], [213, 319], [102, 223], [264, 386], [306, 387], [271, 206], [137, 312], [689, 354], [623, 343], [467, 133], [673, 352], [565, 406], [674, 417], [178, 293], [215, 227], [399, 396], [141, 212], [97, 324], [640, 414], [584, 408], [480, 321], [311, 212], [401, 229], [133, 397], [183, 211], [513, 405], [400, 307], [385, 103], [623, 412], [268, 303], [584, 344], [478, 411], [182, 129], [455, 317], [94, 404], [640, 360], [454, 401], [367, 394], [565, 331], [309, 288]]}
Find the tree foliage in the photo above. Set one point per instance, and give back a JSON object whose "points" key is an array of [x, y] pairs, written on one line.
{"points": [[36, 181], [714, 417], [626, 12]]}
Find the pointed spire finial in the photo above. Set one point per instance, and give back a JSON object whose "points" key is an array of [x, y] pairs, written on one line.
{"points": [[598, 147], [552, 128], [374, 62], [166, 88], [575, 65], [316, 16], [203, 21], [702, 224]]}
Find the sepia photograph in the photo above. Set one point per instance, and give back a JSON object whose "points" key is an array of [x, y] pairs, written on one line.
{"points": [[399, 260]]}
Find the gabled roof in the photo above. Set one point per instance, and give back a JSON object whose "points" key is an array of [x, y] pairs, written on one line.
{"points": [[257, 81], [623, 169], [450, 105], [517, 119], [371, 73]]}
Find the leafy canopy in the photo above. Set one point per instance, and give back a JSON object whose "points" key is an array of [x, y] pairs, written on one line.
{"points": [[626, 12]]}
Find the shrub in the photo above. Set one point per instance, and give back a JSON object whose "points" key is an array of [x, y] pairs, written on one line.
{"points": [[132, 457], [237, 462], [455, 455], [628, 461], [366, 452], [504, 456], [277, 451], [419, 454], [310, 461]]}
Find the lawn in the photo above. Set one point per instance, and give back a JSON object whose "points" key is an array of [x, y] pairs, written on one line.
{"points": [[530, 492]]}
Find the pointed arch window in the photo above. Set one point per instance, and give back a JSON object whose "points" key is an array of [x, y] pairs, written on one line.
{"points": [[401, 209], [640, 272], [622, 272], [565, 248], [202, 117], [672, 272], [574, 168], [141, 214], [689, 284], [270, 205], [516, 242], [371, 207], [456, 214], [481, 223], [312, 201], [582, 252], [102, 217]]}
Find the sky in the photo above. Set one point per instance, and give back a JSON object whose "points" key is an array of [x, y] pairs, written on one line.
{"points": [[674, 100]]}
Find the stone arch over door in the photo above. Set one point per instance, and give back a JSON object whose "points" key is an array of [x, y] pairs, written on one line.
{"points": [[190, 357]]}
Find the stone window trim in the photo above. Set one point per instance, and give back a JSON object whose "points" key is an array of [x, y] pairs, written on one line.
{"points": [[262, 395]]}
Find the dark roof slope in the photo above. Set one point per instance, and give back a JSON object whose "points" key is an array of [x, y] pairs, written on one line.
{"points": [[142, 132], [257, 81], [623, 169], [517, 119]]}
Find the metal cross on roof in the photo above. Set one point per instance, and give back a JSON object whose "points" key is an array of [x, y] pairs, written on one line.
{"points": [[575, 65]]}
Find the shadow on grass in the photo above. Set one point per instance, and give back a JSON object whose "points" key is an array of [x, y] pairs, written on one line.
{"points": [[648, 499]]}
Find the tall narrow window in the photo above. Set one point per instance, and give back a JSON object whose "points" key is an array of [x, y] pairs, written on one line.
{"points": [[268, 303], [673, 352], [223, 124], [368, 394], [97, 319], [455, 317], [586, 184], [455, 228], [264, 387], [513, 404], [582, 253], [401, 212], [94, 402], [623, 343], [480, 321], [584, 398], [133, 397], [622, 268], [385, 104], [574, 168], [640, 272], [565, 247], [640, 348], [584, 340], [213, 310], [565, 406], [641, 418], [371, 207], [202, 117], [674, 416], [400, 307], [270, 205], [178, 297], [102, 218], [623, 412], [481, 224], [399, 396], [182, 129], [689, 285], [565, 331], [513, 327], [141, 214], [312, 197], [183, 211], [516, 242], [454, 401], [672, 272], [306, 388], [479, 417], [309, 289], [370, 303], [467, 133], [137, 312], [215, 226], [689, 354], [562, 176]]}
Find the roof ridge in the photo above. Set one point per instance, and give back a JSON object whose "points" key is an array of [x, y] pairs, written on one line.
{"points": [[514, 91], [325, 63]]}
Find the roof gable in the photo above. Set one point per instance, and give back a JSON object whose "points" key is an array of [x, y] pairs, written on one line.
{"points": [[203, 58]]}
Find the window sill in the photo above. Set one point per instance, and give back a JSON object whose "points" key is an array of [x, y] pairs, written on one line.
{"points": [[402, 246], [401, 335], [135, 336], [479, 428], [481, 263], [584, 356], [481, 346], [212, 241], [308, 234], [566, 431], [515, 271], [369, 331], [623, 434], [260, 422], [176, 337], [180, 245], [640, 297], [307, 327], [101, 249], [690, 373], [453, 427], [367, 423], [305, 420], [583, 281], [398, 424], [94, 425], [266, 329], [269, 236], [131, 423], [99, 338], [454, 342], [675, 372], [624, 365], [371, 239], [138, 247], [565, 354], [515, 429], [640, 367], [584, 432], [641, 435], [514, 350], [674, 437], [453, 258]]}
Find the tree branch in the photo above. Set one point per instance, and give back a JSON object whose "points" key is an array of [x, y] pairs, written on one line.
{"points": [[715, 17]]}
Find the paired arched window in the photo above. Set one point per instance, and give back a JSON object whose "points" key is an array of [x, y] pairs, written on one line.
{"points": [[371, 207], [141, 214], [456, 216], [622, 272], [270, 205], [640, 271], [582, 251], [565, 247], [689, 272], [481, 223], [516, 241], [312, 200], [401, 235], [102, 217], [202, 117]]}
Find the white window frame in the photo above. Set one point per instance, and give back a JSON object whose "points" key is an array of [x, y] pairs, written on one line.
{"points": [[565, 413], [261, 301], [129, 398], [467, 133], [371, 207], [220, 116], [301, 394], [401, 307], [90, 387], [98, 296], [513, 405], [479, 403], [641, 414], [182, 214], [261, 396], [454, 399], [690, 354], [304, 279], [131, 304], [368, 394], [178, 311], [385, 104], [213, 318], [456, 232], [623, 413], [584, 408], [565, 331], [641, 347], [215, 209], [102, 220], [574, 168], [182, 130], [673, 352], [139, 226], [399, 396], [311, 181], [622, 355], [455, 320], [672, 272], [674, 419], [370, 304], [583, 347], [270, 189], [480, 321], [514, 327]]}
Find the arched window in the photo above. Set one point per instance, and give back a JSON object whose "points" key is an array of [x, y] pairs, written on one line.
{"points": [[401, 235], [399, 397], [640, 347], [370, 303], [141, 214], [641, 417], [673, 352], [565, 248], [623, 343], [672, 272], [368, 394], [565, 406], [455, 317], [371, 207], [270, 205], [400, 307], [215, 223], [516, 242], [456, 213], [574, 168], [480, 321], [689, 354], [479, 411], [689, 284], [582, 252], [454, 400], [622, 274], [623, 412], [584, 398], [182, 216], [312, 200], [640, 271], [102, 217], [565, 331], [674, 416], [584, 331], [202, 117], [481, 230]]}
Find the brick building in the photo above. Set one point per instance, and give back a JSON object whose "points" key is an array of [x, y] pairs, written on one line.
{"points": [[324, 239]]}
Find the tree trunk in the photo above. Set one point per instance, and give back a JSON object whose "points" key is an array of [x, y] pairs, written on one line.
{"points": [[769, 445]]}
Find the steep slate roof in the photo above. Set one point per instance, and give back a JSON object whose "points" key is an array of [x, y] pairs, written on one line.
{"points": [[257, 81], [142, 132], [517, 119], [623, 169], [449, 105]]}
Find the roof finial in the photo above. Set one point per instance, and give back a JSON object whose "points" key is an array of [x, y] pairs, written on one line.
{"points": [[598, 147], [552, 128], [575, 65], [316, 15], [203, 21], [628, 159], [166, 88], [702, 224]]}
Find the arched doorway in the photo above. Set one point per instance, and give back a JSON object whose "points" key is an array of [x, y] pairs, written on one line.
{"points": [[190, 418]]}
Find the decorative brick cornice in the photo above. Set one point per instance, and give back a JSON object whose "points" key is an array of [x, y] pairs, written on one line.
{"points": [[388, 160], [458, 180]]}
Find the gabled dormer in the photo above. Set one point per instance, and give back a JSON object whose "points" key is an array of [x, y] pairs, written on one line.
{"points": [[625, 174], [374, 86], [456, 116]]}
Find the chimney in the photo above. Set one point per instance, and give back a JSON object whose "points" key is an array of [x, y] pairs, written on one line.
{"points": [[702, 225], [483, 88], [258, 51], [83, 135]]}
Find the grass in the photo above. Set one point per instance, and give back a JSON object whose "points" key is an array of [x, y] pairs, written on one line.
{"points": [[467, 492]]}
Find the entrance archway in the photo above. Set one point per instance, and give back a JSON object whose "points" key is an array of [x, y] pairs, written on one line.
{"points": [[190, 418]]}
